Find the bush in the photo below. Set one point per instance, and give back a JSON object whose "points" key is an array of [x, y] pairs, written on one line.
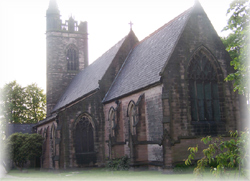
{"points": [[183, 168], [122, 163], [23, 147], [222, 155]]}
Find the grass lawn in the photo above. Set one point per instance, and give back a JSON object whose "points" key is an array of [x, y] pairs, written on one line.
{"points": [[103, 174]]}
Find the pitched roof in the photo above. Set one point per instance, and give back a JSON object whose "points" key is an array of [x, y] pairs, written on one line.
{"points": [[144, 64], [86, 81]]}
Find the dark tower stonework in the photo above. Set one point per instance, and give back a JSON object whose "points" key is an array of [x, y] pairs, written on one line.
{"points": [[67, 52]]}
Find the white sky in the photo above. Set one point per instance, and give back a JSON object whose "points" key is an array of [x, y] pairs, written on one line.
{"points": [[23, 26]]}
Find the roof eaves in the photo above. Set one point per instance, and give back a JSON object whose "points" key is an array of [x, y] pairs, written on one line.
{"points": [[133, 92], [46, 120], [75, 101]]}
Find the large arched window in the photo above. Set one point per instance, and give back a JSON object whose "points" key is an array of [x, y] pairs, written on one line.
{"points": [[84, 141], [203, 89], [72, 58], [84, 136]]}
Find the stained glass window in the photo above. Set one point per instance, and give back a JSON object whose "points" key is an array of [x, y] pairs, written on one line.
{"points": [[203, 89]]}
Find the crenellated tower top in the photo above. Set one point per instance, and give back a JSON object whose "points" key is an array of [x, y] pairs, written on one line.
{"points": [[54, 22]]}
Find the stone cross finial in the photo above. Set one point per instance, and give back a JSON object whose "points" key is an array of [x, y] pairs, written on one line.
{"points": [[131, 24]]}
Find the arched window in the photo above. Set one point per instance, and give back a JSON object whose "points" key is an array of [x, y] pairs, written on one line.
{"points": [[72, 58], [45, 134], [84, 136], [132, 117], [112, 121], [84, 141], [203, 89], [53, 140]]}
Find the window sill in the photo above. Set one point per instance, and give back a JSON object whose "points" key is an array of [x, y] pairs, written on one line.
{"points": [[206, 122]]}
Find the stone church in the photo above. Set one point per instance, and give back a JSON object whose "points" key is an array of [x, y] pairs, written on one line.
{"points": [[149, 99]]}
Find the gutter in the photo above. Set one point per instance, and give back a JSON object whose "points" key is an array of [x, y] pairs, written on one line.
{"points": [[133, 92]]}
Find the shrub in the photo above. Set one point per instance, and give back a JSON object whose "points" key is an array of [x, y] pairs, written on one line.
{"points": [[23, 147], [183, 168], [122, 163], [222, 155]]}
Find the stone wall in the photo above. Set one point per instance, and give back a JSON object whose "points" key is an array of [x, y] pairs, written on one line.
{"points": [[89, 105], [148, 130], [49, 144], [198, 35]]}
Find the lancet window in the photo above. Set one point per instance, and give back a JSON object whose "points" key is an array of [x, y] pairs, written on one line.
{"points": [[72, 58], [112, 121], [132, 117]]}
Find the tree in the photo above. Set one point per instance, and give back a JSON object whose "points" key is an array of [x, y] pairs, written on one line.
{"points": [[12, 102], [21, 104], [226, 155], [23, 147], [237, 44], [35, 102]]}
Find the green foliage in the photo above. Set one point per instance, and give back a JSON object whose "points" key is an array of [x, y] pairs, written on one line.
{"points": [[122, 163], [222, 155], [12, 103], [237, 44], [181, 168], [35, 104], [23, 147], [21, 104]]}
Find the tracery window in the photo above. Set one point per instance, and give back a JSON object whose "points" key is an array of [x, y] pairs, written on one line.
{"points": [[203, 89], [84, 136], [84, 141], [72, 58]]}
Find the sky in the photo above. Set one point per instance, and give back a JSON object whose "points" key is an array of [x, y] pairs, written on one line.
{"points": [[23, 28]]}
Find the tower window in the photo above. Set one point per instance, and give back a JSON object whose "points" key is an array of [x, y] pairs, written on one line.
{"points": [[72, 59], [203, 89]]}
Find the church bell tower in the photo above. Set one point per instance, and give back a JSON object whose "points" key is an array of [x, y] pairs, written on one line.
{"points": [[67, 52]]}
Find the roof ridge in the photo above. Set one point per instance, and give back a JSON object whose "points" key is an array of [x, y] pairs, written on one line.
{"points": [[169, 35], [118, 74], [166, 24]]}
